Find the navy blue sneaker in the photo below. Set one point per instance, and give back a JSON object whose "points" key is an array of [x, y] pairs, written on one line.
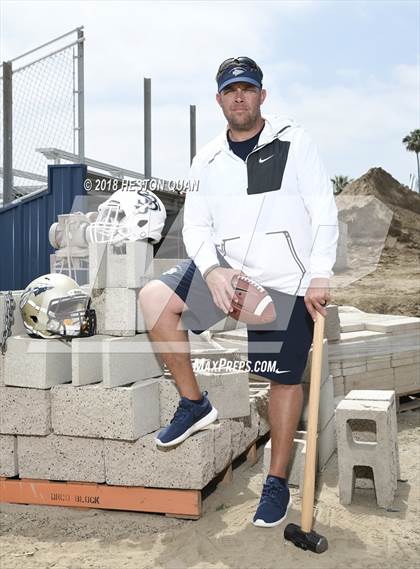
{"points": [[274, 503], [191, 416]]}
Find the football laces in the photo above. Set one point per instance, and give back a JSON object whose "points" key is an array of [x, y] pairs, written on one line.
{"points": [[257, 286]]}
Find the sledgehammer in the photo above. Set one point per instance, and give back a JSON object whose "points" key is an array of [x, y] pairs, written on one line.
{"points": [[304, 537]]}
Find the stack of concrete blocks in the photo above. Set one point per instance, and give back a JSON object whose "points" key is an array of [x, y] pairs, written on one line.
{"points": [[116, 275], [242, 415], [89, 410], [8, 442], [326, 434], [367, 437], [57, 429], [375, 351]]}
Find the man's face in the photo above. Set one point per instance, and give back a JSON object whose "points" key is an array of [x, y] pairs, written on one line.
{"points": [[240, 103]]}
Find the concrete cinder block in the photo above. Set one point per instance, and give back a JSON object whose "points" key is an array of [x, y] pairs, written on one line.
{"points": [[244, 430], [126, 360], [251, 426], [140, 463], [405, 357], [125, 413], [125, 266], [25, 411], [326, 405], [352, 327], [36, 362], [332, 323], [56, 457], [8, 456], [359, 336], [327, 443], [390, 324], [354, 369], [98, 265], [378, 395], [262, 398], [86, 360], [335, 368], [115, 361], [222, 444], [378, 379], [296, 466], [139, 263], [169, 399], [228, 392], [141, 325], [376, 363], [1, 369], [338, 383], [356, 447], [306, 377], [407, 378], [116, 311]]}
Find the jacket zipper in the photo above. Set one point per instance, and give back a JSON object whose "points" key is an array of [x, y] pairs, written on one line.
{"points": [[265, 144]]}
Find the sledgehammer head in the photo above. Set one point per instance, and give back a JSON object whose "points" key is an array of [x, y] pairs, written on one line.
{"points": [[306, 540]]}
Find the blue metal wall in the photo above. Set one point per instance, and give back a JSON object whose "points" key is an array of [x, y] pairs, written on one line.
{"points": [[24, 225]]}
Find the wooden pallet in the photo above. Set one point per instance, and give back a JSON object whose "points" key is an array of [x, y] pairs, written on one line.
{"points": [[407, 401], [171, 502]]}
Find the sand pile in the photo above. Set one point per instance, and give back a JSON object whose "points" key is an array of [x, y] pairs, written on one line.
{"points": [[383, 222], [364, 215]]}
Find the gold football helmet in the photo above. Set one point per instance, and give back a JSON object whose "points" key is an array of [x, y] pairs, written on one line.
{"points": [[54, 306]]}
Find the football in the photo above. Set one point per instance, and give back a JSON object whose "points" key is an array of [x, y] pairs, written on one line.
{"points": [[254, 304]]}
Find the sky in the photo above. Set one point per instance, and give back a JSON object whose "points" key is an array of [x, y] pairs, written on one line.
{"points": [[348, 71]]}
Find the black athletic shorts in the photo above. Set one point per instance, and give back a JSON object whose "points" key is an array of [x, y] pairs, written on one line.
{"points": [[277, 351]]}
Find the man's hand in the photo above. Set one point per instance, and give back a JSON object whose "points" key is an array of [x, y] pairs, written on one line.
{"points": [[219, 282], [317, 296]]}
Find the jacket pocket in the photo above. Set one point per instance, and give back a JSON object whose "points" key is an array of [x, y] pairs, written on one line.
{"points": [[265, 167], [271, 254]]}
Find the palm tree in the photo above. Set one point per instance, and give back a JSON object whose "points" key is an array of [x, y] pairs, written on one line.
{"points": [[339, 183], [412, 144]]}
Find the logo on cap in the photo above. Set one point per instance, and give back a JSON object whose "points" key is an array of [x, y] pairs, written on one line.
{"points": [[237, 71]]}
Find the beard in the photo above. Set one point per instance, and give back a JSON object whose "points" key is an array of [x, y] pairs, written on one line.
{"points": [[244, 121]]}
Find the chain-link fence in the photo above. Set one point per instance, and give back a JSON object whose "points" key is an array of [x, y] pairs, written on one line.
{"points": [[41, 107]]}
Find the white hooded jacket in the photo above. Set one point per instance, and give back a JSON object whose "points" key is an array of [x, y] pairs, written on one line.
{"points": [[273, 216]]}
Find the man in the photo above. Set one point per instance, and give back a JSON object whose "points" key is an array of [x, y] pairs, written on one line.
{"points": [[264, 206]]}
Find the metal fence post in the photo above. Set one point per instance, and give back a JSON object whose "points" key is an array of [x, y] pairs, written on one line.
{"points": [[193, 133], [80, 95], [147, 128], [7, 133]]}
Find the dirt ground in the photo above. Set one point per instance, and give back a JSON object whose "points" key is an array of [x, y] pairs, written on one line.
{"points": [[360, 536], [393, 288]]}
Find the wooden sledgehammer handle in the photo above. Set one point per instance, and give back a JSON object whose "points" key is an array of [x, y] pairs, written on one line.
{"points": [[311, 437]]}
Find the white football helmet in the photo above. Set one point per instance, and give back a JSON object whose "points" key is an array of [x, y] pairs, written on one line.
{"points": [[128, 215], [54, 306]]}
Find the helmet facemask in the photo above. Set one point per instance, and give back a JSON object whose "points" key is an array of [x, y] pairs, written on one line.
{"points": [[71, 316]]}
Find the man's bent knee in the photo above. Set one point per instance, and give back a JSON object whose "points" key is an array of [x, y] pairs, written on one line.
{"points": [[156, 298]]}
